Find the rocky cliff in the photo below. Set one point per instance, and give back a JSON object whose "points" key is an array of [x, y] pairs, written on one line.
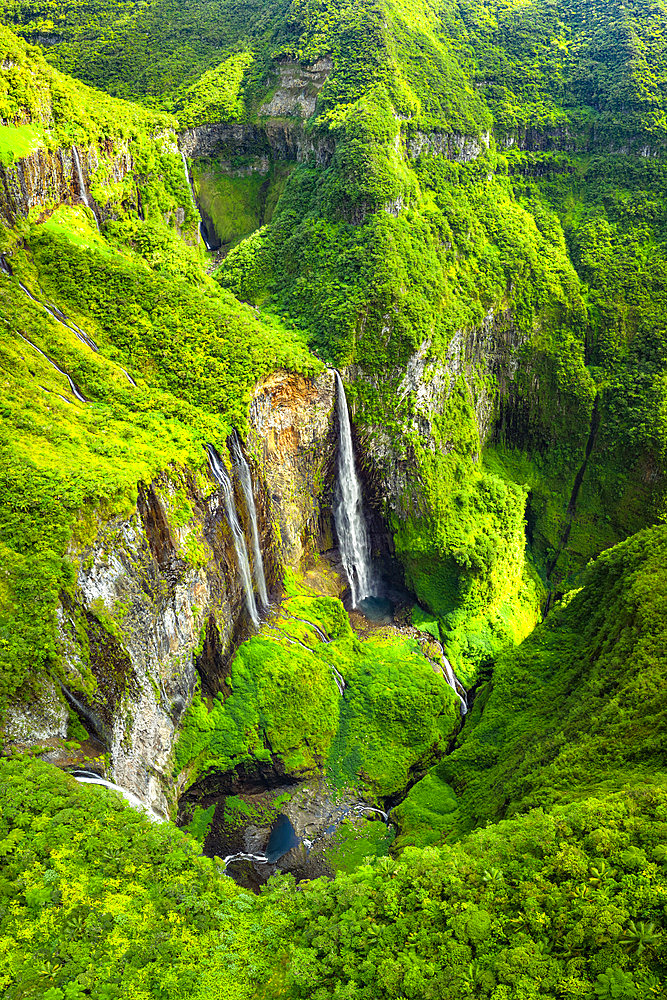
{"points": [[158, 603], [64, 176]]}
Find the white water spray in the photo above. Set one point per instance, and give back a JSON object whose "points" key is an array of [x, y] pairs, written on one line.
{"points": [[348, 511], [243, 471], [89, 778], [454, 683], [260, 859], [220, 474], [83, 194]]}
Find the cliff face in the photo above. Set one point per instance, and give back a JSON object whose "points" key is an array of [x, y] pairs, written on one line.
{"points": [[293, 437], [488, 361], [52, 178], [158, 598], [279, 139]]}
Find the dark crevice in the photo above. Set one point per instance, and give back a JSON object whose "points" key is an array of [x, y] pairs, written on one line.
{"points": [[572, 505]]}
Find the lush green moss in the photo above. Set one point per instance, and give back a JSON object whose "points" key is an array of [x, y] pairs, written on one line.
{"points": [[395, 711], [577, 708], [356, 842]]}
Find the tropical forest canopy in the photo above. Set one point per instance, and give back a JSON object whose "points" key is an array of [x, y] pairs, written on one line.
{"points": [[466, 215]]}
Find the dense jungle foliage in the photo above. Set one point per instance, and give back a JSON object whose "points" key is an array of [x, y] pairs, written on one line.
{"points": [[471, 226]]}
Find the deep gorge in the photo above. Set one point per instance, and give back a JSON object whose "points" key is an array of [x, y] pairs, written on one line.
{"points": [[333, 418]]}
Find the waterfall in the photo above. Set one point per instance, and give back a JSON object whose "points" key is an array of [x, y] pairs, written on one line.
{"points": [[371, 809], [220, 474], [90, 778], [202, 229], [260, 859], [243, 471], [83, 194], [339, 679], [79, 395], [348, 511], [454, 683]]}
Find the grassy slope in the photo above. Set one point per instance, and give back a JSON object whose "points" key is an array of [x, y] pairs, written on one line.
{"points": [[394, 715], [566, 900], [144, 297]]}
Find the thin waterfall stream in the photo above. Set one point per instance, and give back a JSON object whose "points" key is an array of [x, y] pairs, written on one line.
{"points": [[83, 194], [348, 510], [90, 778], [75, 391], [202, 228], [455, 683], [58, 315], [243, 471], [221, 475]]}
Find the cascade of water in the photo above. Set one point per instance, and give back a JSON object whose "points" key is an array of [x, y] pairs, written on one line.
{"points": [[202, 229], [243, 471], [454, 683], [58, 394], [220, 474], [261, 859], [316, 628], [89, 778], [75, 392], [371, 809], [339, 679], [83, 194], [348, 511], [186, 170]]}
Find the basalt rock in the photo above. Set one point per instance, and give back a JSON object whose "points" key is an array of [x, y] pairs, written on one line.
{"points": [[47, 178], [158, 604], [275, 139]]}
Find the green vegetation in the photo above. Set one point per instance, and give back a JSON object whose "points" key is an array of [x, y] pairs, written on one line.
{"points": [[241, 196], [577, 709], [98, 901], [474, 230], [284, 706], [355, 842]]}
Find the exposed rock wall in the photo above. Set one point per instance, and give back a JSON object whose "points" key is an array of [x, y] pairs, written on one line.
{"points": [[51, 178], [293, 435], [585, 139], [277, 139], [453, 145], [158, 596], [297, 90], [487, 358]]}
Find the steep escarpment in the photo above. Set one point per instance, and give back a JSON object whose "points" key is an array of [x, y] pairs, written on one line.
{"points": [[461, 211], [44, 178], [157, 606]]}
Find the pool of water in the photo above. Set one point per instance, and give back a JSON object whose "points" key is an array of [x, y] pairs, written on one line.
{"points": [[282, 839], [379, 610]]}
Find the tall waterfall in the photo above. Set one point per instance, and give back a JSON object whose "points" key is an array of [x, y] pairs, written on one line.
{"points": [[455, 683], [220, 474], [83, 194], [246, 483], [90, 778], [348, 511], [82, 186], [201, 230]]}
